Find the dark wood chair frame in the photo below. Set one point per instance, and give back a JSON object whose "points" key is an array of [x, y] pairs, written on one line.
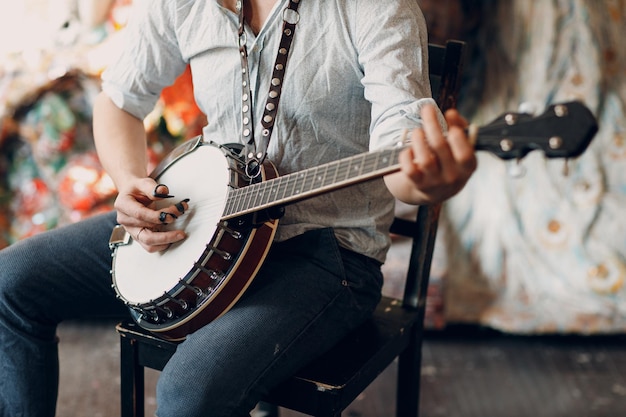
{"points": [[331, 382]]}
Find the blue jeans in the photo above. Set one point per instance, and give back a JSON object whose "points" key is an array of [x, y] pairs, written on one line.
{"points": [[308, 294]]}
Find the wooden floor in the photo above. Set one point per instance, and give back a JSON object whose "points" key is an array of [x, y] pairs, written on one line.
{"points": [[466, 372]]}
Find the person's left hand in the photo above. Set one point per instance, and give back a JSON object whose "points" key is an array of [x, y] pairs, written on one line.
{"points": [[436, 165]]}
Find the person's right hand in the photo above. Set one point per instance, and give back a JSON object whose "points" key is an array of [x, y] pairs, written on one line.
{"points": [[136, 212]]}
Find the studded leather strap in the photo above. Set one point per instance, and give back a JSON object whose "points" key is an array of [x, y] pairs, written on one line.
{"points": [[255, 155]]}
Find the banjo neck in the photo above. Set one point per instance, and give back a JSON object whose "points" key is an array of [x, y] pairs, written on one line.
{"points": [[564, 130], [311, 182]]}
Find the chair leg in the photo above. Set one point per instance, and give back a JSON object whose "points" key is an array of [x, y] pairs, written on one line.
{"points": [[409, 374], [266, 410], [132, 380]]}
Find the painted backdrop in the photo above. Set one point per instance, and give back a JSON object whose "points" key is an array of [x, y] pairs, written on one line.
{"points": [[544, 252]]}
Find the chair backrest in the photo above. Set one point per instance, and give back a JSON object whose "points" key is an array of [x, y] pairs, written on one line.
{"points": [[445, 69]]}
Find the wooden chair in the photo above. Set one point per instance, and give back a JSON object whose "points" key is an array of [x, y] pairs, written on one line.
{"points": [[329, 384]]}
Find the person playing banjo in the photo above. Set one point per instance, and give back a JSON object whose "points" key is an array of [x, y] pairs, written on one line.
{"points": [[287, 86]]}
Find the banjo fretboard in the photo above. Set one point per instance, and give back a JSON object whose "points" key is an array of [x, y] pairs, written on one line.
{"points": [[311, 182]]}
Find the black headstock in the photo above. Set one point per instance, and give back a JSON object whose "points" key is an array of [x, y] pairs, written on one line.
{"points": [[564, 130]]}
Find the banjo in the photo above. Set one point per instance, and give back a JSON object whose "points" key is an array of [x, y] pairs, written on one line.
{"points": [[232, 222]]}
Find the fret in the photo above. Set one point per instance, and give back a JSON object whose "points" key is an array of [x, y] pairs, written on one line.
{"points": [[241, 193], [370, 163], [323, 177], [254, 195], [330, 173], [229, 203], [388, 157], [278, 192], [300, 178], [308, 182], [263, 193], [249, 196], [260, 194], [347, 169], [244, 198], [341, 171], [290, 186], [357, 168], [281, 191], [273, 194], [382, 158], [272, 190], [239, 199]]}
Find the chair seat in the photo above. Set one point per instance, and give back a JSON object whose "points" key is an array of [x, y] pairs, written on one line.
{"points": [[151, 351], [329, 383]]}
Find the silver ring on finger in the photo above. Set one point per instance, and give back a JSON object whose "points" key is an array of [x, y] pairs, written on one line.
{"points": [[139, 234]]}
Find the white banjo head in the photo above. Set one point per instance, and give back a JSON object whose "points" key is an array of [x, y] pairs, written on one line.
{"points": [[202, 176]]}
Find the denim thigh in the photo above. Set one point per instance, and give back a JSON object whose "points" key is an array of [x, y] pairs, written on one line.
{"points": [[308, 295], [45, 279]]}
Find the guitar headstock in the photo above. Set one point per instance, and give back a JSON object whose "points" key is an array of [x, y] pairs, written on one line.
{"points": [[564, 130]]}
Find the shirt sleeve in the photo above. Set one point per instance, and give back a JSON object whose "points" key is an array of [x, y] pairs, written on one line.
{"points": [[150, 58], [392, 43]]}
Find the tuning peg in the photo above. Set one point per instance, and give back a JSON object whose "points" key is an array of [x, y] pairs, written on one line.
{"points": [[516, 169], [565, 167]]}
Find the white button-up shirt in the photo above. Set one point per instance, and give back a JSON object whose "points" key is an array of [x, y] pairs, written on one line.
{"points": [[356, 78]]}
